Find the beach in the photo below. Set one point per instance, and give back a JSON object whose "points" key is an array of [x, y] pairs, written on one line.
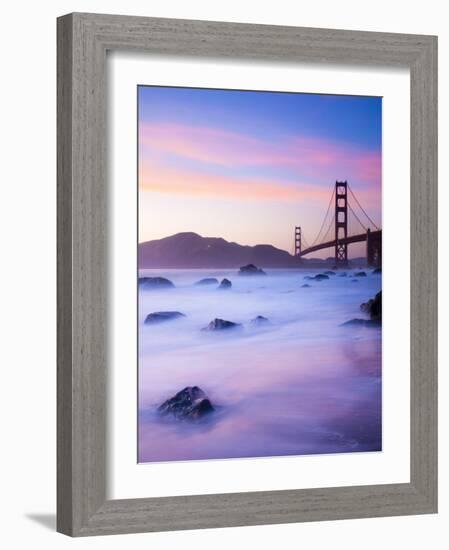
{"points": [[299, 383]]}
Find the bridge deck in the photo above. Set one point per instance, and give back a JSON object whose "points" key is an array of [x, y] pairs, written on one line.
{"points": [[352, 239]]}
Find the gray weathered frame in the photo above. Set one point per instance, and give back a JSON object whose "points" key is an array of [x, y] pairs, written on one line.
{"points": [[83, 40]]}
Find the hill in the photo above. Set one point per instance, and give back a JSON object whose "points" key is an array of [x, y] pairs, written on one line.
{"points": [[190, 250]]}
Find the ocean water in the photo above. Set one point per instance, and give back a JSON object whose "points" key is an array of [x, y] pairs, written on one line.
{"points": [[301, 384]]}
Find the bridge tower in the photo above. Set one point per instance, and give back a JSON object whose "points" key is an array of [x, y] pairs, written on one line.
{"points": [[341, 223], [297, 241]]}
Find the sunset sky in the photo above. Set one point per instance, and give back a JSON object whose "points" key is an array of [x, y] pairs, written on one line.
{"points": [[249, 166]]}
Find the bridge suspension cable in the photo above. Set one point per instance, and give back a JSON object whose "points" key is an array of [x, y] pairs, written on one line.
{"points": [[361, 208], [325, 217], [332, 221], [357, 218]]}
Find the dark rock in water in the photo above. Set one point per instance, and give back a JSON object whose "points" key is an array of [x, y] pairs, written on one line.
{"points": [[150, 283], [320, 277], [191, 403], [344, 274], [259, 320], [329, 272], [376, 271], [360, 274], [221, 324], [162, 316], [225, 284], [371, 323], [354, 281], [207, 281], [251, 269], [373, 307], [305, 286]]}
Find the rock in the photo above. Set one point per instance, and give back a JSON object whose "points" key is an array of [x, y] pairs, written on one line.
{"points": [[150, 283], [162, 316], [377, 271], [207, 281], [191, 403], [305, 286], [344, 274], [320, 277], [371, 323], [225, 284], [259, 320], [221, 324], [354, 281], [329, 272], [373, 307], [360, 274], [251, 269]]}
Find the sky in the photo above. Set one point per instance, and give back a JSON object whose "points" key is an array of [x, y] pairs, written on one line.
{"points": [[249, 166]]}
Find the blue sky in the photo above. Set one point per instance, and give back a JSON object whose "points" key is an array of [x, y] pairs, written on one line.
{"points": [[261, 157]]}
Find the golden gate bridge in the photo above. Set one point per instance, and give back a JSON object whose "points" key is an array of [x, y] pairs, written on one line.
{"points": [[344, 224]]}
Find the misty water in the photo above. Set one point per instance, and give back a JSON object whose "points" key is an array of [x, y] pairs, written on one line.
{"points": [[300, 384]]}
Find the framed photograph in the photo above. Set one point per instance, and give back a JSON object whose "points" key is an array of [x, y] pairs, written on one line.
{"points": [[247, 274]]}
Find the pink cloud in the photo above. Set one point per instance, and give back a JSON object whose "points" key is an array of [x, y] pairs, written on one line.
{"points": [[159, 178], [310, 157], [197, 143]]}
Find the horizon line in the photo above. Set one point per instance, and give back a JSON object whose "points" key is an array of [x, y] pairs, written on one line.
{"points": [[244, 245]]}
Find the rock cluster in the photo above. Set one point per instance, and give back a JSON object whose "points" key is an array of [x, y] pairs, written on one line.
{"points": [[259, 320], [221, 324], [373, 307], [191, 403], [224, 285], [150, 283], [319, 277], [251, 269], [162, 316]]}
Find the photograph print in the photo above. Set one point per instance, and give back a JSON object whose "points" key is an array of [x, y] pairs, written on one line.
{"points": [[259, 274]]}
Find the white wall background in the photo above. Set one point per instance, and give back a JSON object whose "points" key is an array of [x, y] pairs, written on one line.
{"points": [[27, 300]]}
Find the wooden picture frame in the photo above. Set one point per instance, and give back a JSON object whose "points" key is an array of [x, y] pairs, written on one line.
{"points": [[83, 40]]}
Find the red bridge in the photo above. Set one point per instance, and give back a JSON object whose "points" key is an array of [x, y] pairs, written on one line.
{"points": [[340, 233]]}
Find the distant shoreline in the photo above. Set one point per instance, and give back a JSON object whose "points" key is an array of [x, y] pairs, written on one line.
{"points": [[192, 251], [325, 265]]}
